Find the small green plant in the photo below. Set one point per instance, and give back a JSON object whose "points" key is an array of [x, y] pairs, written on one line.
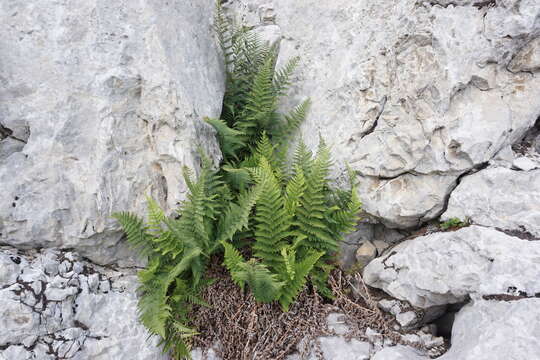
{"points": [[453, 223], [298, 223], [288, 217]]}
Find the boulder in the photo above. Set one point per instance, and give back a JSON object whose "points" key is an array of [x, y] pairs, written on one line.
{"points": [[446, 267], [102, 103], [496, 330], [501, 198], [411, 93]]}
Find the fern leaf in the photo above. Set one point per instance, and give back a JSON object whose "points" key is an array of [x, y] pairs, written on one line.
{"points": [[272, 221], [231, 140], [282, 76], [294, 285], [136, 231]]}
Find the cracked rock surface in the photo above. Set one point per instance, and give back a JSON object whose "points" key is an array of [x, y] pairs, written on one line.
{"points": [[446, 267], [496, 330], [56, 305], [101, 104], [411, 94], [499, 197]]}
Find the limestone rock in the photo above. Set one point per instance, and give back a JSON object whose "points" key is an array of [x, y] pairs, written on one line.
{"points": [[445, 267], [365, 253], [399, 352], [338, 348], [500, 198], [496, 330], [410, 93], [53, 316], [103, 103]]}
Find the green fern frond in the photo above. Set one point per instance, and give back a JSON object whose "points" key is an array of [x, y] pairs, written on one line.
{"points": [[233, 261], [283, 75], [294, 191], [238, 178], [272, 221], [231, 140], [236, 217], [136, 232], [263, 283], [295, 284]]}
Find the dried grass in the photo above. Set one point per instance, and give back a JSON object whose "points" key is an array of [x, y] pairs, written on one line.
{"points": [[246, 330]]}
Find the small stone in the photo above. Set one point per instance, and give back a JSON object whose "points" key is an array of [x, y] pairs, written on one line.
{"points": [[406, 319], [381, 246], [524, 163], [365, 253], [390, 306], [55, 294], [336, 323]]}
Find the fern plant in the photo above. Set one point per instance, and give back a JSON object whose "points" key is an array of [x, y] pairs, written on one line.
{"points": [[254, 87], [178, 250], [298, 223], [289, 216]]}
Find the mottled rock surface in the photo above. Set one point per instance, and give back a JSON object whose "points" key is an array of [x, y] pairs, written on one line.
{"points": [[56, 305], [496, 330], [410, 93], [103, 103], [500, 198], [446, 267]]}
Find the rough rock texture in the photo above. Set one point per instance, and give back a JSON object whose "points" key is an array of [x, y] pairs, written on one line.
{"points": [[496, 330], [411, 93], [398, 352], [100, 105], [501, 198], [55, 305], [446, 267]]}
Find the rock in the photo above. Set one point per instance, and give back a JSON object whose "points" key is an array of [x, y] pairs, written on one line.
{"points": [[446, 267], [377, 234], [413, 93], [501, 198], [381, 246], [48, 316], [351, 243], [106, 101], [338, 348], [391, 306], [527, 58], [365, 253], [336, 323], [525, 163], [398, 352], [496, 330], [406, 319]]}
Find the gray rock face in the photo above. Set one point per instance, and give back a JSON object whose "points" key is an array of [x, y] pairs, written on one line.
{"points": [[410, 93], [399, 352], [57, 306], [496, 330], [445, 267], [499, 197], [103, 103]]}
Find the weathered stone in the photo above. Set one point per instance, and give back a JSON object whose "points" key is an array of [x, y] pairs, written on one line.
{"points": [[399, 352], [338, 348], [406, 318], [500, 198], [413, 97], [496, 330], [524, 163], [527, 58], [445, 267], [47, 316], [365, 253], [106, 99]]}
